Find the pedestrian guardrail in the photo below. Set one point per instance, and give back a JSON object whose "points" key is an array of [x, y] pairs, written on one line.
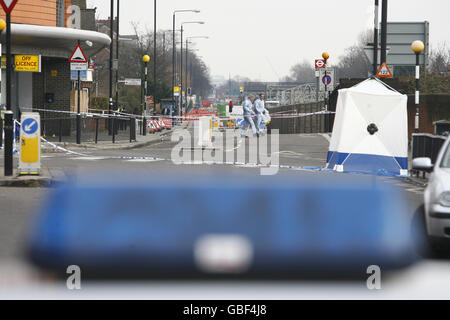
{"points": [[93, 128], [303, 118], [427, 146]]}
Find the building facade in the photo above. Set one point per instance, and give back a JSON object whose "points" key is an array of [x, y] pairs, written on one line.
{"points": [[47, 31]]}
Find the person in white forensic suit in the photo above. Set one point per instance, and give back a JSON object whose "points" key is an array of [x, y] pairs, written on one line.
{"points": [[266, 120], [260, 111], [248, 113]]}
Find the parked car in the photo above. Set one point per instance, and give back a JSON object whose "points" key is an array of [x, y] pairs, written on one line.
{"points": [[436, 206]]}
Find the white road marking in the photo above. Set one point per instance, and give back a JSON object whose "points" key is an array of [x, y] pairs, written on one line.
{"points": [[89, 158], [145, 160]]}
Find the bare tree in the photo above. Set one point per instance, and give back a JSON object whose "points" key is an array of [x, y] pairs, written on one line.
{"points": [[354, 62], [301, 72], [440, 61]]}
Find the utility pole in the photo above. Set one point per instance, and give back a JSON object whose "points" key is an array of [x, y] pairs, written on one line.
{"points": [[111, 57], [117, 55], [9, 114], [181, 90], [79, 106], [384, 15], [155, 88], [375, 38], [2, 27], [174, 63]]}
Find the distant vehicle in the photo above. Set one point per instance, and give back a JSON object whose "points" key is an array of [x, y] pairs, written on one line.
{"points": [[437, 197], [272, 104], [206, 103], [167, 107]]}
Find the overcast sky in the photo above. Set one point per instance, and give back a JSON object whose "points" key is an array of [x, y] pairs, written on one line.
{"points": [[262, 39]]}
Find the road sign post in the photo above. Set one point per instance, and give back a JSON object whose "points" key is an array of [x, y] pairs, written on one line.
{"points": [[318, 64], [30, 144], [8, 6], [78, 62]]}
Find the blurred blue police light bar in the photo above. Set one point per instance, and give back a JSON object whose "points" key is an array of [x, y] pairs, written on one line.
{"points": [[212, 226]]}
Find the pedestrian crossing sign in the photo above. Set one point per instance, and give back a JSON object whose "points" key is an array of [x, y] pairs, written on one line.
{"points": [[384, 71]]}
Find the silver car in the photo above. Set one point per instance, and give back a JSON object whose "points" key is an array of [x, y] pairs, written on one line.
{"points": [[437, 196]]}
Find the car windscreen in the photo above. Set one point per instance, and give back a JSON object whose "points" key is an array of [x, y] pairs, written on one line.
{"points": [[446, 159]]}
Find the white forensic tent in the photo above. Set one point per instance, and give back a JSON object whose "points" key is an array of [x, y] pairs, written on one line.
{"points": [[370, 133]]}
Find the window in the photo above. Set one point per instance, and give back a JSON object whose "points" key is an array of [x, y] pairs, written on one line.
{"points": [[446, 159], [60, 13]]}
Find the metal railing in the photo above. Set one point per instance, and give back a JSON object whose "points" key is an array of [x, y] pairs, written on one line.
{"points": [[63, 128], [303, 118], [427, 146]]}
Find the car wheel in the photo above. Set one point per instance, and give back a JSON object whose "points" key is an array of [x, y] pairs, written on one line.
{"points": [[439, 248], [419, 232]]}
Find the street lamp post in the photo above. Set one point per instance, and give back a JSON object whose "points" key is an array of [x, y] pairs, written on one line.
{"points": [[9, 115], [111, 57], [384, 16], [155, 88], [326, 56], [375, 38], [174, 50], [117, 55], [180, 112], [417, 47], [146, 60], [78, 105], [2, 27]]}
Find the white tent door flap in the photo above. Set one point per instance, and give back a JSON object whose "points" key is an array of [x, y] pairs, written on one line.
{"points": [[370, 133]]}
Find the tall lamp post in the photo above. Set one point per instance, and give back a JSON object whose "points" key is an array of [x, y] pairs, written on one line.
{"points": [[174, 50], [418, 47], [182, 84], [2, 27], [117, 54], [111, 57], [146, 60], [375, 38], [326, 56], [9, 115], [384, 17], [155, 88]]}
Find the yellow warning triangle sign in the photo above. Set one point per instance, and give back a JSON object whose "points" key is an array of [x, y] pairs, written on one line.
{"points": [[384, 71]]}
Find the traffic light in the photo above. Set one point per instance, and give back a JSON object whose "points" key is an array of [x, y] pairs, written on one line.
{"points": [[231, 107]]}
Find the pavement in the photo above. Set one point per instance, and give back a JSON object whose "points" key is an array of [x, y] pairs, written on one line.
{"points": [[43, 180], [48, 176], [141, 141]]}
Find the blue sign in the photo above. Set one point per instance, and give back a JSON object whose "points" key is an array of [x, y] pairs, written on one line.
{"points": [[239, 123], [30, 126], [74, 75], [326, 80]]}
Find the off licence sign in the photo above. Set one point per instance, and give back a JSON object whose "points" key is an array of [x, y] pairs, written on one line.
{"points": [[27, 63]]}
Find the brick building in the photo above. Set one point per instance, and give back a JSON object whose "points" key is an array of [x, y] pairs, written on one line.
{"points": [[50, 29]]}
